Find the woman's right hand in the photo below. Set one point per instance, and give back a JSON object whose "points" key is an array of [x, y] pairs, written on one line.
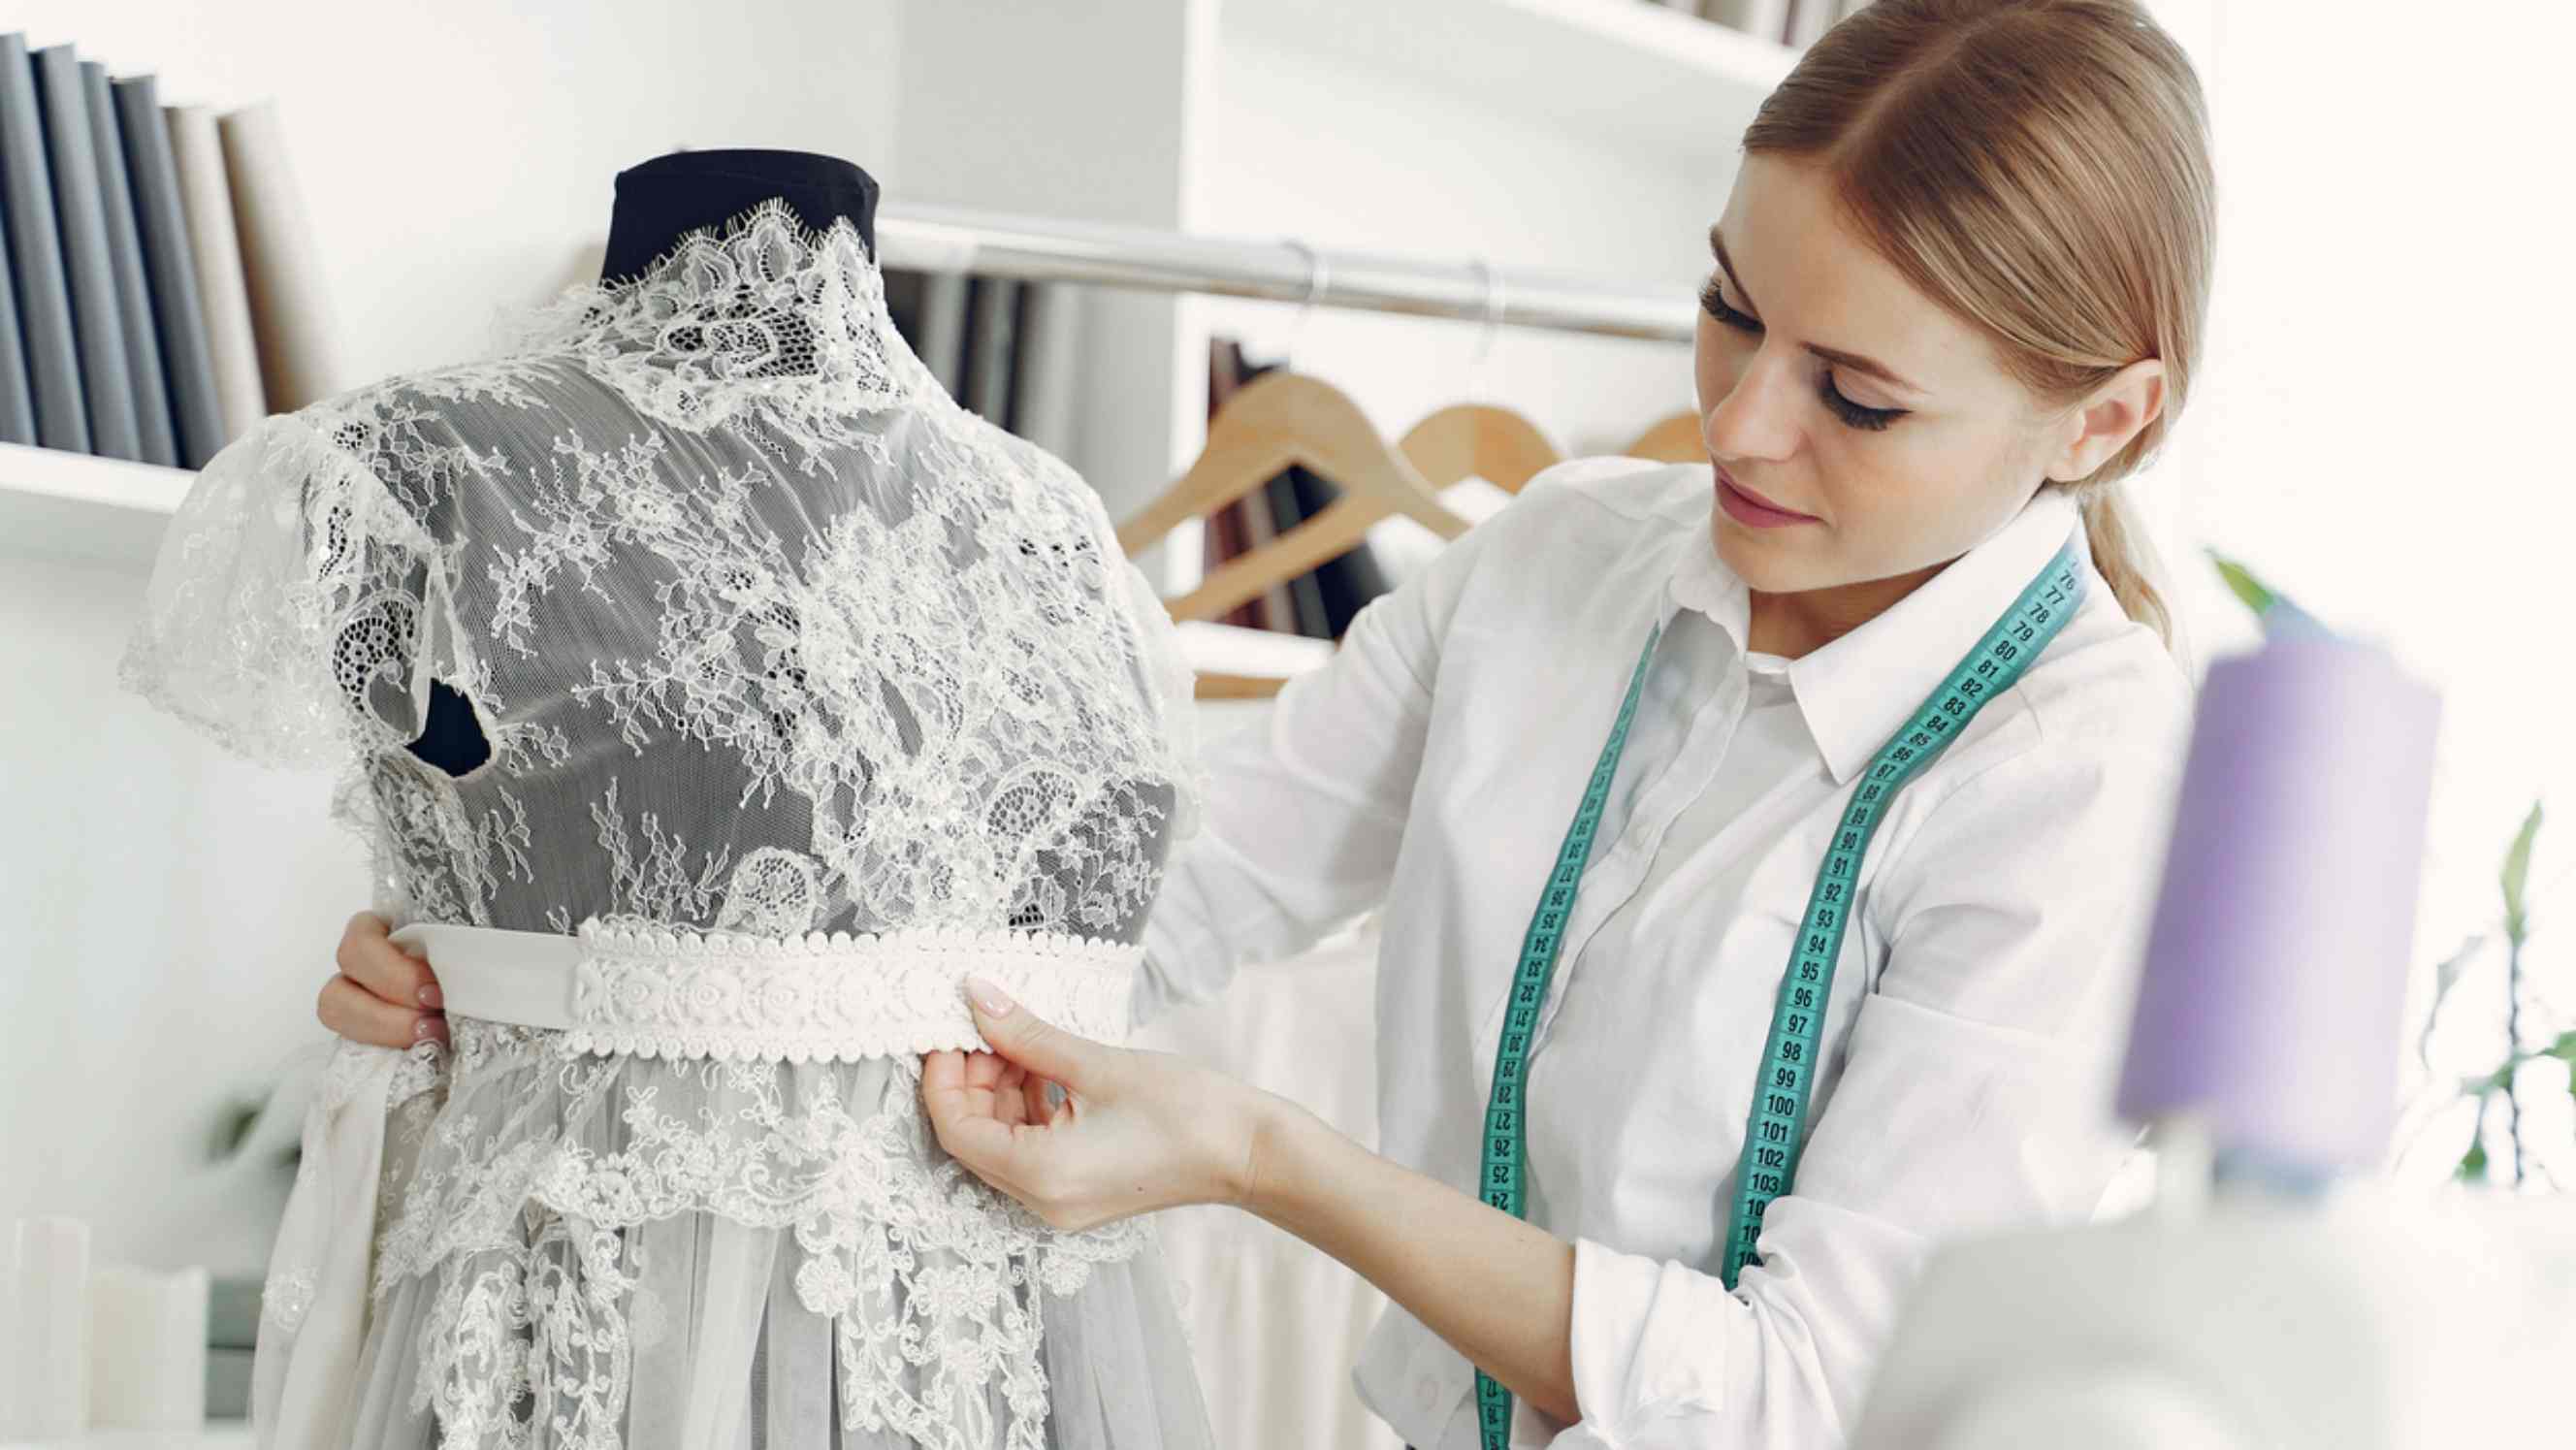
{"points": [[382, 994]]}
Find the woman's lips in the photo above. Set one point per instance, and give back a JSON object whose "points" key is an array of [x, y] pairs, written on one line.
{"points": [[1747, 507]]}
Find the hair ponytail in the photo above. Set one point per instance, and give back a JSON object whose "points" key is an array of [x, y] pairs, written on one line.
{"points": [[2123, 557]]}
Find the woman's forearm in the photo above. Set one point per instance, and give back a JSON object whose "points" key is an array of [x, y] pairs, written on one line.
{"points": [[1498, 1289]]}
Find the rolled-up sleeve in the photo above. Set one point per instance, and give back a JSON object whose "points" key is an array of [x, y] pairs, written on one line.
{"points": [[1974, 1094]]}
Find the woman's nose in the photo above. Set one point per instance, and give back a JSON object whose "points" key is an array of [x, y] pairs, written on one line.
{"points": [[1754, 419]]}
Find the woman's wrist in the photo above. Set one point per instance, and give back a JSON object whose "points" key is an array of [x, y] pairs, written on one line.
{"points": [[1280, 1137]]}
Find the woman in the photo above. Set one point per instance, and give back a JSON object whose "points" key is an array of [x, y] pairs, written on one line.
{"points": [[1956, 296]]}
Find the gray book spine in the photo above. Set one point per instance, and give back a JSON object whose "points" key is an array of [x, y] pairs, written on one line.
{"points": [[170, 265], [943, 330], [44, 296], [17, 403], [1049, 362], [988, 367], [133, 294], [107, 386]]}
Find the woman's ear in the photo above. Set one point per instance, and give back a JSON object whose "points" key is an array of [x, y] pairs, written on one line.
{"points": [[2112, 414]]}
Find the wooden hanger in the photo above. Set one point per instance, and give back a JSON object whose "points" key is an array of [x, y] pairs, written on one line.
{"points": [[1280, 420], [1674, 440], [1478, 440]]}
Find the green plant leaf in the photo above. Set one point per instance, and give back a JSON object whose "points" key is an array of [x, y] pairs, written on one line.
{"points": [[2517, 871], [2473, 1163], [2445, 977], [2241, 581], [2564, 1049]]}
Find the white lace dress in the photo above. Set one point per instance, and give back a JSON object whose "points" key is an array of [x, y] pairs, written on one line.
{"points": [[796, 679]]}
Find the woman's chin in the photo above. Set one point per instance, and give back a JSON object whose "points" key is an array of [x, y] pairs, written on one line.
{"points": [[1757, 557]]}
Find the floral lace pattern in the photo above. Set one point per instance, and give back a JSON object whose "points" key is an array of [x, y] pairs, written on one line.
{"points": [[759, 634], [936, 1283], [839, 997]]}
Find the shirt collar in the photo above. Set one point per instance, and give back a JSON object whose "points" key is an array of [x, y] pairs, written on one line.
{"points": [[1856, 691]]}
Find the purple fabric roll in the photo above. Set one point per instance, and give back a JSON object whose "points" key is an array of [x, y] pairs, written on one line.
{"points": [[2275, 977]]}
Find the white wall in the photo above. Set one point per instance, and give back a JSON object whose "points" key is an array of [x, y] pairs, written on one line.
{"points": [[2380, 431], [1306, 144], [170, 913]]}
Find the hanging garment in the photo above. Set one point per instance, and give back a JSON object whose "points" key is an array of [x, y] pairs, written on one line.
{"points": [[795, 692]]}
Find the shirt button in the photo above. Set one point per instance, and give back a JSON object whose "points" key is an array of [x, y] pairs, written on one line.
{"points": [[1428, 1388]]}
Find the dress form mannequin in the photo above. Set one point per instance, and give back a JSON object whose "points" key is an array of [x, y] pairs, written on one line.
{"points": [[658, 202]]}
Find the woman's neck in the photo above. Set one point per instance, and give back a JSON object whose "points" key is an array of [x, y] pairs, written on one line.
{"points": [[1792, 625]]}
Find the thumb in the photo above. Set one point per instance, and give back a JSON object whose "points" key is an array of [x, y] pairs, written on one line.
{"points": [[1021, 1036]]}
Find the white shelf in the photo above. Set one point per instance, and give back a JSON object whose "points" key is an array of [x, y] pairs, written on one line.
{"points": [[71, 505], [1640, 74], [1225, 649], [217, 1435]]}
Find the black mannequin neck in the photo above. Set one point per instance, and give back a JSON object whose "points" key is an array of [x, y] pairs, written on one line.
{"points": [[658, 202], [661, 200]]}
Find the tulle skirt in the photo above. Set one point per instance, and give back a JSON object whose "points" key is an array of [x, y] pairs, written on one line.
{"points": [[584, 1250]]}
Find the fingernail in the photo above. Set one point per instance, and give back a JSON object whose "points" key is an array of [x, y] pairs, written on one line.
{"points": [[989, 996], [429, 994], [424, 1027]]}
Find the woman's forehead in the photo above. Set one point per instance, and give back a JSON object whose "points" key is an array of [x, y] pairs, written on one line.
{"points": [[1810, 276]]}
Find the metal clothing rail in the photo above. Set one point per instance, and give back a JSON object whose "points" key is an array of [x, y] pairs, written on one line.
{"points": [[947, 239]]}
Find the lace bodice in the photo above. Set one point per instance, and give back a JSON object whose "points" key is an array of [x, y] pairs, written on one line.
{"points": [[765, 633]]}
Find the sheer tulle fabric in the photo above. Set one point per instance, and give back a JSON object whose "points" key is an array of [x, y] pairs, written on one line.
{"points": [[695, 1252], [766, 637]]}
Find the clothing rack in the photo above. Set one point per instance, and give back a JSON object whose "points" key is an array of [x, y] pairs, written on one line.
{"points": [[949, 239]]}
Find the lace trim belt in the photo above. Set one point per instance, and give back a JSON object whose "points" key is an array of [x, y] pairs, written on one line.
{"points": [[838, 997]]}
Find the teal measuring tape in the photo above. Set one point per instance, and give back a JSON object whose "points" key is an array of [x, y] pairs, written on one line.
{"points": [[1776, 1134]]}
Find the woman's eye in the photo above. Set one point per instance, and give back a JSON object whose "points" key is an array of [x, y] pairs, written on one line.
{"points": [[1712, 297], [1853, 414]]}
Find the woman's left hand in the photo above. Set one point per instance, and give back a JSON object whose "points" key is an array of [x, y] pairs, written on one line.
{"points": [[1137, 1131]]}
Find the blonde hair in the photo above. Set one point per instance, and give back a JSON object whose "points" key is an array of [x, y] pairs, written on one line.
{"points": [[2040, 169]]}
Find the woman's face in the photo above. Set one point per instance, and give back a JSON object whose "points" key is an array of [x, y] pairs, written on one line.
{"points": [[1880, 429]]}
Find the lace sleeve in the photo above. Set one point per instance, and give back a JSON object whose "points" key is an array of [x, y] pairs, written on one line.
{"points": [[286, 602], [1175, 683], [1176, 694]]}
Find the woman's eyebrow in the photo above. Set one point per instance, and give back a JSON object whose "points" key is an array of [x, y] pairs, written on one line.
{"points": [[1837, 356]]}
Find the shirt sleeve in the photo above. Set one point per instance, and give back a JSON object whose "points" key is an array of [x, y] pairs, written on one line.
{"points": [[284, 613], [1300, 831], [1975, 1095]]}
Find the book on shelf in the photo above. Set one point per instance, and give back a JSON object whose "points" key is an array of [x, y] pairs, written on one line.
{"points": [[943, 330], [205, 194], [1049, 362], [1768, 19], [152, 419], [1305, 592], [36, 256], [293, 331], [169, 269], [107, 386], [1271, 609], [992, 331], [17, 401], [1809, 20]]}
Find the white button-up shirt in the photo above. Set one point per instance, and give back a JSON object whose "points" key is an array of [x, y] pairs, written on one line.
{"points": [[1977, 1008]]}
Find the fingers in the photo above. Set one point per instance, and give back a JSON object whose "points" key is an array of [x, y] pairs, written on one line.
{"points": [[355, 1013], [383, 995], [1019, 1034], [965, 1118], [368, 957], [984, 1071], [991, 1083]]}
